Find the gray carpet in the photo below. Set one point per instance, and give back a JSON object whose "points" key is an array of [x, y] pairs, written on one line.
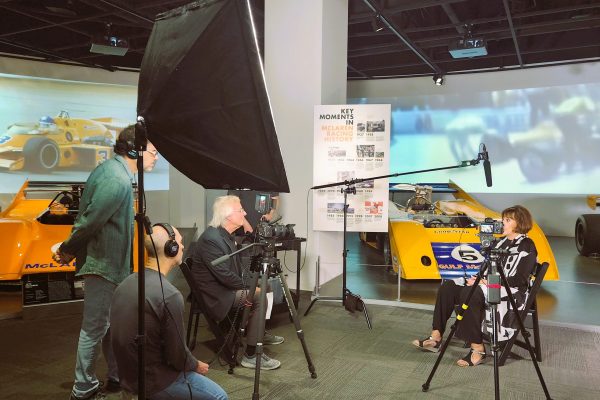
{"points": [[352, 362]]}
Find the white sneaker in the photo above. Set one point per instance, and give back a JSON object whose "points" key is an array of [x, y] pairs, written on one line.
{"points": [[269, 338], [266, 362]]}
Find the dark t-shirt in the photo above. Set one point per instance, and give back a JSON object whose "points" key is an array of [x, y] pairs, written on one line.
{"points": [[166, 352]]}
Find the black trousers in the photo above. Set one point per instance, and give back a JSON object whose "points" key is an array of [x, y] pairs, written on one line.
{"points": [[448, 296]]}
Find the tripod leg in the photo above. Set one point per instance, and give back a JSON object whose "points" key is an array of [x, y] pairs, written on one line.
{"points": [[312, 303], [299, 331], [260, 329], [494, 344], [525, 333], [459, 317], [364, 307]]}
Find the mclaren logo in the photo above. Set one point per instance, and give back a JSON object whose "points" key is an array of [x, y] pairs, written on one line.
{"points": [[49, 266]]}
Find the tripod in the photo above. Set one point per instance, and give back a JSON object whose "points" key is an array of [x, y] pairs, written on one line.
{"points": [[264, 266], [347, 296], [496, 279]]}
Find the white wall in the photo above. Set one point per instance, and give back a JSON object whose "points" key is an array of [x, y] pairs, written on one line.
{"points": [[556, 214]]}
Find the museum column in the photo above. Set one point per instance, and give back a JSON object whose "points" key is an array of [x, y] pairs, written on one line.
{"points": [[305, 65]]}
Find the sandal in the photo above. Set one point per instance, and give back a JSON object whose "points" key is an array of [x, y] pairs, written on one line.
{"points": [[420, 344], [467, 358]]}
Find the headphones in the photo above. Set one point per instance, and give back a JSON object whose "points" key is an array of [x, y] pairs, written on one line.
{"points": [[171, 246], [127, 148]]}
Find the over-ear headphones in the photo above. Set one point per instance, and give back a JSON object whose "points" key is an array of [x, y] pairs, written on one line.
{"points": [[125, 143], [127, 148], [171, 245]]}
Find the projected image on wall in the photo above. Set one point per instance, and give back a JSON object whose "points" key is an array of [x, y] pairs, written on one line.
{"points": [[55, 130], [541, 140]]}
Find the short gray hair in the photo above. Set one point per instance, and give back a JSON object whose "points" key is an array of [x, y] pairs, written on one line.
{"points": [[222, 208]]}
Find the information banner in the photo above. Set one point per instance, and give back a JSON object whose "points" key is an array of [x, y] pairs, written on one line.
{"points": [[351, 142]]}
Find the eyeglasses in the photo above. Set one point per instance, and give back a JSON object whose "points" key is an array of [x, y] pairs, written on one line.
{"points": [[153, 152], [241, 210]]}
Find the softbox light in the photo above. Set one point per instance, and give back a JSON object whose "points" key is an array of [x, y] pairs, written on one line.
{"points": [[204, 101]]}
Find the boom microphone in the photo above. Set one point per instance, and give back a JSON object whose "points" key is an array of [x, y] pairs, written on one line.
{"points": [[487, 167]]}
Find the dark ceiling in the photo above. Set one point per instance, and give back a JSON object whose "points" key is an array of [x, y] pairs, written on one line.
{"points": [[414, 39]]}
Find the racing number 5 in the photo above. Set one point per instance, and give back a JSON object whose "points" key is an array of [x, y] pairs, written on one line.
{"points": [[468, 255]]}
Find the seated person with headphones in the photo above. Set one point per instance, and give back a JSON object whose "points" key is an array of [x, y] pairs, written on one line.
{"points": [[224, 287], [172, 372]]}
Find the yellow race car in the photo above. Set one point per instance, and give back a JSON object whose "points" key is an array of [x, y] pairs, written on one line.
{"points": [[441, 240], [39, 218], [58, 142]]}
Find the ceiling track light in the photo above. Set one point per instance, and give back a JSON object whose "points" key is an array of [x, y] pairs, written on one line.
{"points": [[438, 79], [377, 24]]}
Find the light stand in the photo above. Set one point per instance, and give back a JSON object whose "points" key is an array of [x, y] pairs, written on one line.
{"points": [[351, 188], [142, 225]]}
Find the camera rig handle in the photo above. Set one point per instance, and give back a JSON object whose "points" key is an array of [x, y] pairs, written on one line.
{"points": [[226, 257]]}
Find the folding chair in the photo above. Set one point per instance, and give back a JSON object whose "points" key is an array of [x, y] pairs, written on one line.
{"points": [[529, 316], [220, 330]]}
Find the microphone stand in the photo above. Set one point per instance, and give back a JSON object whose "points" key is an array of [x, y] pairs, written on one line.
{"points": [[351, 188]]}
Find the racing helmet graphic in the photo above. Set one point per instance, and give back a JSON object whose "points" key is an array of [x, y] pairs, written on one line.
{"points": [[46, 122]]}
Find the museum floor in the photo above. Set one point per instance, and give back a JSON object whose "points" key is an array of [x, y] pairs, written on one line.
{"points": [[571, 300]]}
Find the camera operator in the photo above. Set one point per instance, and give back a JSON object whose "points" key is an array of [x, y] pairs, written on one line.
{"points": [[517, 266], [253, 216], [172, 372], [224, 287]]}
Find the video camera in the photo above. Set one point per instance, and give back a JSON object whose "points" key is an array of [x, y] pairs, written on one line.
{"points": [[487, 229], [267, 230]]}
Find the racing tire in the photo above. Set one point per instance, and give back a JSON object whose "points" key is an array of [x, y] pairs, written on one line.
{"points": [[587, 234], [387, 253], [383, 244], [537, 166], [41, 154]]}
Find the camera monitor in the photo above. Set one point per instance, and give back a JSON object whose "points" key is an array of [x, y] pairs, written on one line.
{"points": [[263, 203], [491, 227]]}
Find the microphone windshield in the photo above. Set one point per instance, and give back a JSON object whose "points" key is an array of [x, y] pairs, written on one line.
{"points": [[487, 169]]}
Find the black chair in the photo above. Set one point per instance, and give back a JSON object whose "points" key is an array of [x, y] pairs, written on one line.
{"points": [[225, 334], [529, 315]]}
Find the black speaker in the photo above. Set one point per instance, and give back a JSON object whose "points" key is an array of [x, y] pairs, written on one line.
{"points": [[171, 245]]}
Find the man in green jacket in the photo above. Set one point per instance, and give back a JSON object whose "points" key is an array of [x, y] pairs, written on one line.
{"points": [[101, 241]]}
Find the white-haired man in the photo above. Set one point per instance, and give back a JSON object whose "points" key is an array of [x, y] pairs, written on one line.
{"points": [[224, 287], [172, 372]]}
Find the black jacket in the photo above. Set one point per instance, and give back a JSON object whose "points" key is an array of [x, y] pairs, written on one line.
{"points": [[217, 284]]}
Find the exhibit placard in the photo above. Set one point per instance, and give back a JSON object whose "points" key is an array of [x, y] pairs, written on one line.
{"points": [[351, 142]]}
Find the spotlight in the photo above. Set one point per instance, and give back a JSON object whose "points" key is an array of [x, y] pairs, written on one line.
{"points": [[377, 24], [438, 79]]}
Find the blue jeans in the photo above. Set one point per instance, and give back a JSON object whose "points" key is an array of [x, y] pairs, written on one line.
{"points": [[202, 388], [98, 294]]}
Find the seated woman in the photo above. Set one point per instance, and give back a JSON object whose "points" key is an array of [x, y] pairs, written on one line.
{"points": [[517, 267]]}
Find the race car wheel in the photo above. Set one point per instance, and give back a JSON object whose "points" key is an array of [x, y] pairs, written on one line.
{"points": [[537, 166], [587, 234], [41, 154], [387, 252]]}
